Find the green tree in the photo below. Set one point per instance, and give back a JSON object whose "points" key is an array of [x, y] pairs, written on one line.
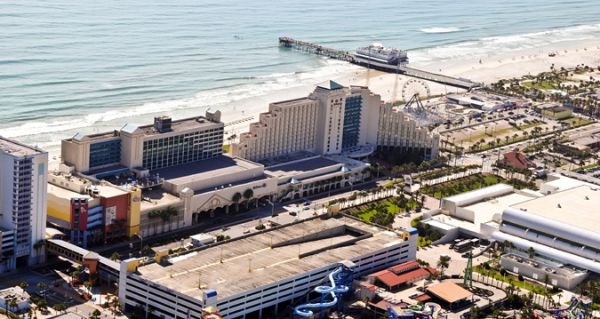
{"points": [[236, 199], [115, 256], [13, 304], [248, 194], [531, 252], [95, 315], [59, 307], [475, 313], [443, 263]]}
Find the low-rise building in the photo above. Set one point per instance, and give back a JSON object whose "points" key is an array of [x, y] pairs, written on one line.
{"points": [[560, 226], [399, 276], [92, 213], [16, 294], [582, 142], [544, 270], [558, 112], [517, 160]]}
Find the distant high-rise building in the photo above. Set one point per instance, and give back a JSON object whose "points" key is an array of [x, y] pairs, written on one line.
{"points": [[333, 119], [23, 190]]}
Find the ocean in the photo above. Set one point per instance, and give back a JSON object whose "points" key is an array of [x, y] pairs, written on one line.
{"points": [[89, 66]]}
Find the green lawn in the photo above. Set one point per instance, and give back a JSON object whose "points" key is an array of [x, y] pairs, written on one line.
{"points": [[577, 121], [367, 212], [366, 215], [586, 167], [461, 185], [543, 85], [528, 285]]}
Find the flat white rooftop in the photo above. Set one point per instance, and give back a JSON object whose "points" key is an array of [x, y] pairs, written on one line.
{"points": [[480, 194], [484, 211], [561, 183], [18, 149], [64, 193], [206, 169], [578, 207], [265, 258]]}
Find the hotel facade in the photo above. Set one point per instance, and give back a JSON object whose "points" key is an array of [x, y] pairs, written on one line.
{"points": [[333, 119], [23, 189]]}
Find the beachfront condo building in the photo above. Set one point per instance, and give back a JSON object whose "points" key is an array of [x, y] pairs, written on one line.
{"points": [[23, 189], [333, 119]]}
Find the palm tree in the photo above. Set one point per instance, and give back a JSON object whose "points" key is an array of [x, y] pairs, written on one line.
{"points": [[42, 285], [443, 263], [559, 296], [95, 315], [13, 305], [248, 194], [75, 274], [531, 252], [236, 199], [115, 256], [59, 307]]}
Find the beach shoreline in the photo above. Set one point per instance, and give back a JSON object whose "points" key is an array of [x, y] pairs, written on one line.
{"points": [[389, 86]]}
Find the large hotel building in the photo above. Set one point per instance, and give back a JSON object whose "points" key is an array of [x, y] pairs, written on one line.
{"points": [[23, 182], [333, 120]]}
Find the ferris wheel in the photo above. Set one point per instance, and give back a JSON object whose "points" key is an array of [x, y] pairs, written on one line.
{"points": [[415, 88]]}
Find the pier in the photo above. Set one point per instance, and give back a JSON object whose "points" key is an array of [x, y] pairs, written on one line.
{"points": [[317, 49]]}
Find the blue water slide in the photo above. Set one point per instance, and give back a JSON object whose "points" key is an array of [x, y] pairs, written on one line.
{"points": [[335, 289]]}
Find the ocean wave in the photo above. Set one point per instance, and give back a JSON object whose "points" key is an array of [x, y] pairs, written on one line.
{"points": [[440, 30], [217, 98], [497, 45]]}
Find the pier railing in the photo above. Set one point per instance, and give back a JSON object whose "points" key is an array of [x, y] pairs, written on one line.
{"points": [[315, 49]]}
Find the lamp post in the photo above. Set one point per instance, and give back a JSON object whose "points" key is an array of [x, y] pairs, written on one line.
{"points": [[141, 242], [272, 207]]}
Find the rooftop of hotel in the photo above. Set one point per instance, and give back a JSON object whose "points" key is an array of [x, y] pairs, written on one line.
{"points": [[15, 148], [293, 101], [181, 125], [577, 207], [249, 262], [205, 169]]}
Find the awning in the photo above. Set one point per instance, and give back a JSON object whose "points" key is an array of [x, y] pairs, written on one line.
{"points": [[95, 210]]}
